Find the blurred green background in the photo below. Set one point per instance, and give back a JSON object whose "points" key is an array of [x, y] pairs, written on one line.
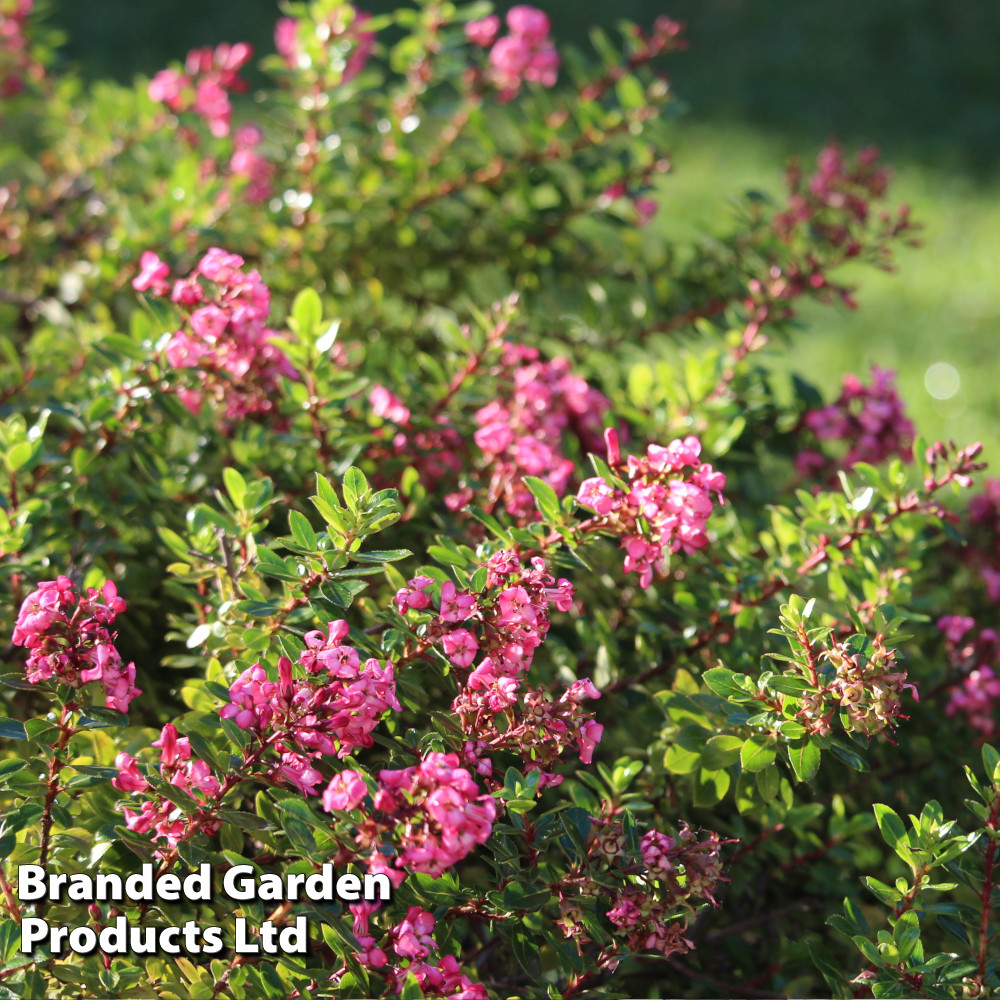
{"points": [[764, 80]]}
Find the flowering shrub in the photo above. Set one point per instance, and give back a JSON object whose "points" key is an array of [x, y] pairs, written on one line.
{"points": [[871, 420], [454, 562]]}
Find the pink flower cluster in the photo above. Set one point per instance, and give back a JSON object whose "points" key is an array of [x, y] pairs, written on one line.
{"points": [[16, 61], [501, 626], [678, 871], [333, 710], [977, 697], [828, 220], [209, 76], [348, 46], [653, 909], [867, 687], [659, 508], [521, 432], [835, 199], [247, 162], [645, 208], [533, 727], [833, 204], [434, 450], [412, 941], [70, 639], [433, 813], [157, 813], [983, 551], [225, 337], [870, 420], [525, 54]]}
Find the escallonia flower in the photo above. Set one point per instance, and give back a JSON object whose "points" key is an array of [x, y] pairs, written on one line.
{"points": [[662, 507]]}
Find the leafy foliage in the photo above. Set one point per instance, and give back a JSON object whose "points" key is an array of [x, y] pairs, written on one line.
{"points": [[464, 539]]}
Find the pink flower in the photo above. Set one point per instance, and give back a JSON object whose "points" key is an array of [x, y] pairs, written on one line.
{"points": [[69, 639], [204, 87], [167, 87], [445, 818], [297, 770], [319, 715], [524, 54], [152, 274], [870, 420], [646, 208], [247, 162], [484, 31], [955, 627], [597, 494], [286, 39], [455, 607], [414, 595], [460, 647], [528, 22], [661, 511], [220, 266], [991, 577], [590, 736], [510, 57], [346, 791], [543, 68], [412, 937], [128, 779], [340, 34], [494, 437], [515, 606], [226, 338], [388, 406], [612, 444]]}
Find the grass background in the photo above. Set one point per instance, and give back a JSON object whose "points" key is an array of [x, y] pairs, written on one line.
{"points": [[765, 80]]}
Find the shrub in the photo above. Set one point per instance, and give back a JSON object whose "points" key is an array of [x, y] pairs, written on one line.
{"points": [[386, 490]]}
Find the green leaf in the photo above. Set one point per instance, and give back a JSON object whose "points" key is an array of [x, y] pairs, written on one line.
{"points": [[518, 896], [869, 950], [805, 759], [893, 831], [991, 762], [630, 92], [9, 767], [789, 684], [768, 783], [120, 344], [710, 787], [380, 555], [758, 752], [545, 497], [906, 934], [236, 486], [886, 893], [680, 760], [721, 751], [848, 756], [725, 684], [355, 487], [11, 729], [106, 716], [342, 592], [244, 820], [302, 530], [520, 805], [18, 455], [576, 822], [301, 811], [307, 313]]}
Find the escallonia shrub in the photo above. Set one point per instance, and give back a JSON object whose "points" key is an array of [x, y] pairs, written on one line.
{"points": [[397, 520]]}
